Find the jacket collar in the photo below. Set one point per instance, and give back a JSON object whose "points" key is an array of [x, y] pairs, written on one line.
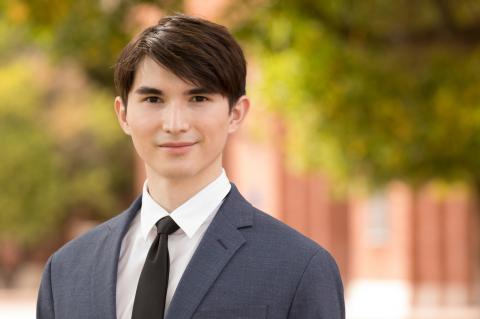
{"points": [[221, 241], [104, 274]]}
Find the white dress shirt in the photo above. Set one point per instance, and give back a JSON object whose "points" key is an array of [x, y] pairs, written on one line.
{"points": [[194, 216]]}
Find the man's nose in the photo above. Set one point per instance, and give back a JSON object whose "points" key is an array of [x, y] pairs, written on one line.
{"points": [[175, 120]]}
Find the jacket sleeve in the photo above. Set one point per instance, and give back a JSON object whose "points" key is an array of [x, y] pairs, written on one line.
{"points": [[45, 295], [319, 294]]}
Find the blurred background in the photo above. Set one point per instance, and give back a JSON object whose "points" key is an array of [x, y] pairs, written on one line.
{"points": [[364, 135]]}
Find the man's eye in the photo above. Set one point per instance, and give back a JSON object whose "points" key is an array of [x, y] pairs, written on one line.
{"points": [[153, 99], [199, 98]]}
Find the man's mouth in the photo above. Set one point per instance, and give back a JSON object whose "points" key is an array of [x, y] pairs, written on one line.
{"points": [[177, 144]]}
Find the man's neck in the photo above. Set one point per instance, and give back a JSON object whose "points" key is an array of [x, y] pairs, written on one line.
{"points": [[170, 193]]}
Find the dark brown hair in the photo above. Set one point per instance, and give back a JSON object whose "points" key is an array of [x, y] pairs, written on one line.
{"points": [[197, 51]]}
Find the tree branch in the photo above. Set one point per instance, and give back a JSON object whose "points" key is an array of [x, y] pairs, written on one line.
{"points": [[446, 13], [447, 33]]}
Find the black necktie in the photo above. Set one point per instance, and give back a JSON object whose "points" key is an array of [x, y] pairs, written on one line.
{"points": [[152, 286]]}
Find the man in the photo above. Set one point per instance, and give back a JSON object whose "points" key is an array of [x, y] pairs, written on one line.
{"points": [[190, 246]]}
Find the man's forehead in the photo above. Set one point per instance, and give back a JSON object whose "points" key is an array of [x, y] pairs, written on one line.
{"points": [[153, 74]]}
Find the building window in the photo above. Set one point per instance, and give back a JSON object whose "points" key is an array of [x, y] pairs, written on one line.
{"points": [[378, 220]]}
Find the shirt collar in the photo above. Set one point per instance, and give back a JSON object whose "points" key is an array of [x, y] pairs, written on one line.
{"points": [[191, 214]]}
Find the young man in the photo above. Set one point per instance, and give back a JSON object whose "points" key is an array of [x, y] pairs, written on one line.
{"points": [[190, 246]]}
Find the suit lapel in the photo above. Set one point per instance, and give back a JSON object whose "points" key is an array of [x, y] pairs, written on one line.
{"points": [[104, 272], [220, 242]]}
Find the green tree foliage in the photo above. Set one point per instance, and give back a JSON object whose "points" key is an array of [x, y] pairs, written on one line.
{"points": [[382, 89], [31, 191], [59, 142], [62, 149], [89, 32]]}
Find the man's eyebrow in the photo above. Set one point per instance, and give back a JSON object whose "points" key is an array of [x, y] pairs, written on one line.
{"points": [[143, 90], [199, 90]]}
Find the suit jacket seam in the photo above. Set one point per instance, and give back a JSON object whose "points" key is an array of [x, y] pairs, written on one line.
{"points": [[301, 279]]}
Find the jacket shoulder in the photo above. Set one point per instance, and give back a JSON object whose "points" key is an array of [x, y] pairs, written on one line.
{"points": [[90, 240], [277, 238], [273, 227]]}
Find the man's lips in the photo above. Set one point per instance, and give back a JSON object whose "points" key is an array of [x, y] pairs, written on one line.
{"points": [[177, 144], [177, 148]]}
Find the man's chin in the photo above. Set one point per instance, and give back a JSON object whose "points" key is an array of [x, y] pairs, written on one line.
{"points": [[175, 173]]}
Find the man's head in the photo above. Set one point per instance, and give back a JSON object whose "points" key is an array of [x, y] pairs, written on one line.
{"points": [[197, 51], [184, 83]]}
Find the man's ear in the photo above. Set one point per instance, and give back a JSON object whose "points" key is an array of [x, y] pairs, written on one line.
{"points": [[121, 111], [238, 113]]}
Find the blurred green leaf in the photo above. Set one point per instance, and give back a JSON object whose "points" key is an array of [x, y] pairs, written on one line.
{"points": [[378, 89]]}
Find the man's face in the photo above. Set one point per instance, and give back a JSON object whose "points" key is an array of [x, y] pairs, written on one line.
{"points": [[177, 128]]}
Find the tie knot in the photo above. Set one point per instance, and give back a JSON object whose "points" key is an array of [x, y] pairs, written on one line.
{"points": [[166, 225]]}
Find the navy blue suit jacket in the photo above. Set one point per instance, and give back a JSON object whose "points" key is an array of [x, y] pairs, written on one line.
{"points": [[247, 265]]}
